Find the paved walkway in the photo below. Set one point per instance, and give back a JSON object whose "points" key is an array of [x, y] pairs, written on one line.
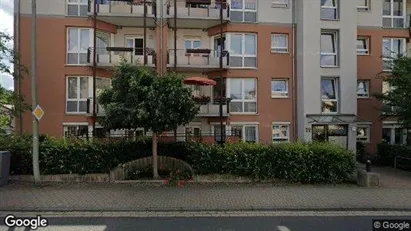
{"points": [[394, 195]]}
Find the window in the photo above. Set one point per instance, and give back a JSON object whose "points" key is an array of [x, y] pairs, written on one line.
{"points": [[393, 13], [243, 11], [77, 94], [392, 48], [216, 90], [248, 133], [192, 131], [363, 5], [363, 133], [79, 41], [281, 133], [386, 88], [77, 7], [329, 95], [77, 131], [279, 3], [243, 94], [102, 42], [329, 49], [101, 85], [217, 132], [362, 46], [279, 88], [243, 52], [279, 43], [192, 44], [136, 43], [395, 134], [329, 9], [363, 89]]}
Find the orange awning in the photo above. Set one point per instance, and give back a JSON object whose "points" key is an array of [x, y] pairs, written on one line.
{"points": [[199, 81]]}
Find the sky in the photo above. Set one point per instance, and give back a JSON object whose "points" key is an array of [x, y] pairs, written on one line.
{"points": [[6, 25]]}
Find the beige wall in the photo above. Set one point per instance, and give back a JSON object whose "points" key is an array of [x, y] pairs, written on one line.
{"points": [[183, 34], [268, 14], [120, 37], [46, 7], [373, 17]]}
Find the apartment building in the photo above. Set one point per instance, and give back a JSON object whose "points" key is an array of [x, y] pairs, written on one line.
{"points": [[292, 69]]}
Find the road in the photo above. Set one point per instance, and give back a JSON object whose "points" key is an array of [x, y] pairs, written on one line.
{"points": [[247, 221]]}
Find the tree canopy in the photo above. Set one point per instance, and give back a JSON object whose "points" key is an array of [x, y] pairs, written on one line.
{"points": [[396, 100], [140, 98]]}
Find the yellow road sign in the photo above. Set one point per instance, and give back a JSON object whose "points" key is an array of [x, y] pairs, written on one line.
{"points": [[38, 112]]}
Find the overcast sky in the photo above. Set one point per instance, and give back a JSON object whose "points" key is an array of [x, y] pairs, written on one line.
{"points": [[6, 25]]}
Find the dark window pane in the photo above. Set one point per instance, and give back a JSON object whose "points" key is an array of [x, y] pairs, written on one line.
{"points": [[72, 10], [71, 106]]}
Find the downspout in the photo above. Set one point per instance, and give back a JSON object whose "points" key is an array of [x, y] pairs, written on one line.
{"points": [[16, 44], [145, 34], [222, 138], [161, 36], [294, 78], [94, 67], [175, 35]]}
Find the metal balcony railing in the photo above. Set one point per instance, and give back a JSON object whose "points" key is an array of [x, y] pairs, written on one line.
{"points": [[111, 56], [198, 58], [134, 7], [199, 9]]}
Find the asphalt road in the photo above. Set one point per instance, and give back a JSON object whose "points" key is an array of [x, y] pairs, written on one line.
{"points": [[246, 223]]}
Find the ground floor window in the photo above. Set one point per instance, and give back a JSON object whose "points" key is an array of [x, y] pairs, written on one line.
{"points": [[394, 134], [217, 132], [76, 131], [363, 133], [248, 133], [281, 133]]}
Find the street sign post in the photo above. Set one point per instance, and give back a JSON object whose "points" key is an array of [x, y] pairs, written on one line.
{"points": [[38, 112]]}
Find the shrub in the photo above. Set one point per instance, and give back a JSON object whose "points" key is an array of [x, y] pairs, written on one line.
{"points": [[387, 153], [295, 162]]}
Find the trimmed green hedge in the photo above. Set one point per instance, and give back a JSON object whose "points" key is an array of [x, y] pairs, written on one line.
{"points": [[387, 153], [295, 162]]}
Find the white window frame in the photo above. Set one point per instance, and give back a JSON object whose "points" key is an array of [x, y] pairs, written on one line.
{"points": [[243, 56], [392, 127], [337, 95], [192, 40], [77, 125], [279, 3], [280, 139], [392, 17], [279, 49], [79, 51], [366, 7], [279, 94], [77, 3], [367, 137], [78, 99], [242, 95], [336, 8], [365, 51], [336, 40], [243, 127], [247, 10], [367, 85], [390, 60]]}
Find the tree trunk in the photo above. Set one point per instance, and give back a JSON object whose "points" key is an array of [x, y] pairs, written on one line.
{"points": [[155, 167]]}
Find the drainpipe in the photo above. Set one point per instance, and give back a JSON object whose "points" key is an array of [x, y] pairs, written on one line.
{"points": [[145, 34], [221, 73], [16, 43], [294, 78], [94, 67], [161, 36], [175, 35]]}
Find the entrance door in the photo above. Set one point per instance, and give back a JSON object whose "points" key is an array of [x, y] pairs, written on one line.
{"points": [[137, 44], [334, 133]]}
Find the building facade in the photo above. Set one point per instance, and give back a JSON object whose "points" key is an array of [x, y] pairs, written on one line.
{"points": [[292, 69]]}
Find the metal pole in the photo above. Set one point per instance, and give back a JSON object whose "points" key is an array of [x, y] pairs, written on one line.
{"points": [[221, 73], [94, 67], [145, 34], [36, 167], [175, 35]]}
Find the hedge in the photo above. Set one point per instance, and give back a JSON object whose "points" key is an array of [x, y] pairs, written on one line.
{"points": [[387, 153], [295, 162]]}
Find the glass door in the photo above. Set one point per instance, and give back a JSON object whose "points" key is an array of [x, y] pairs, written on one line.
{"points": [[137, 44]]}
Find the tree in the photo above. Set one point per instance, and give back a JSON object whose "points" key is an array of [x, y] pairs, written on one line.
{"points": [[8, 59], [396, 101], [140, 98]]}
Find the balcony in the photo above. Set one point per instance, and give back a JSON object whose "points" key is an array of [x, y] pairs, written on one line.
{"points": [[198, 60], [112, 56], [198, 14], [127, 13], [213, 110]]}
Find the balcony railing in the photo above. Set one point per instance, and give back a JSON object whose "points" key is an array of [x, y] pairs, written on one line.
{"points": [[112, 56], [119, 7], [203, 9], [195, 58]]}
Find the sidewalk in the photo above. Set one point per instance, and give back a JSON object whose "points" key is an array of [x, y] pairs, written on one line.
{"points": [[394, 194]]}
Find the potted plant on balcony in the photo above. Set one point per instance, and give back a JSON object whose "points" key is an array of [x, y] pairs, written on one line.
{"points": [[223, 99], [198, 51], [203, 99]]}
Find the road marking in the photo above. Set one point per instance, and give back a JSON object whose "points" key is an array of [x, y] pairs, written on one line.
{"points": [[283, 228]]}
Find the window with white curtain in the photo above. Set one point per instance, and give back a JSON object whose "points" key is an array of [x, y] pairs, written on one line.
{"points": [[279, 88], [391, 49], [279, 43], [363, 89], [249, 133], [78, 43], [77, 89], [243, 50], [280, 132], [243, 94], [393, 13], [362, 46], [329, 49], [329, 95], [243, 11], [329, 9], [77, 7]]}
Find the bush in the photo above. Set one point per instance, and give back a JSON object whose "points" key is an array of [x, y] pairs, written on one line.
{"points": [[387, 153], [295, 162]]}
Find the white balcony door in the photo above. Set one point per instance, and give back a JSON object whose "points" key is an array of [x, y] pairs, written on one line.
{"points": [[137, 44]]}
